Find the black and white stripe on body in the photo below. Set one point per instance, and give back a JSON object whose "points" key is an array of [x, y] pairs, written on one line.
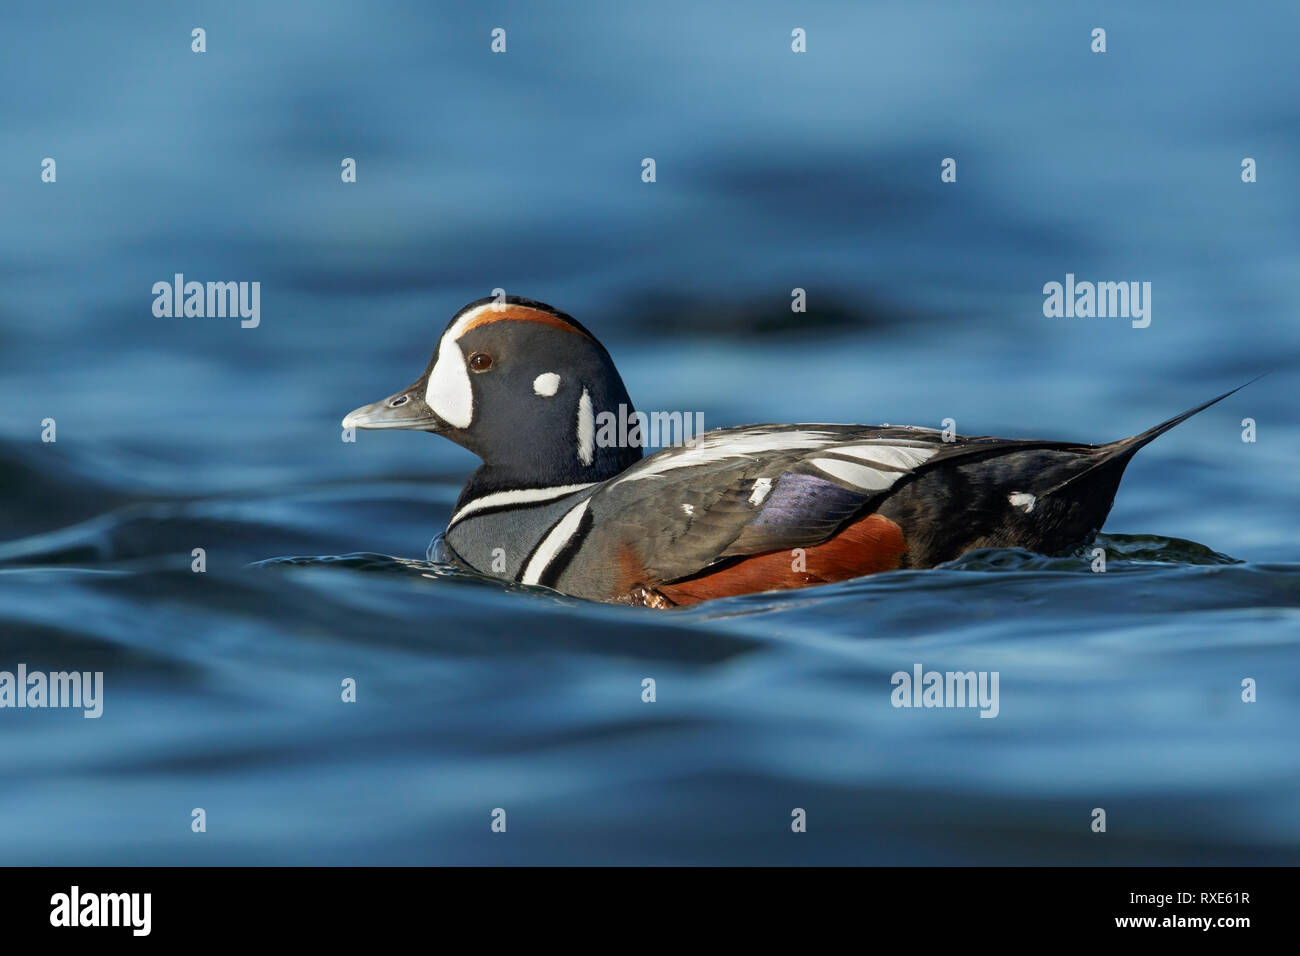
{"points": [[499, 534]]}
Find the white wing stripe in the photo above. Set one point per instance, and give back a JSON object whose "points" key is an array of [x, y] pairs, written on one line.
{"points": [[712, 448], [899, 456], [861, 476], [728, 444]]}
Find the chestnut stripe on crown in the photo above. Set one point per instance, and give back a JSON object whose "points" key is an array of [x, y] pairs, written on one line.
{"points": [[487, 314]]}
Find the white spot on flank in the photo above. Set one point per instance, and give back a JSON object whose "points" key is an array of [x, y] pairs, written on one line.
{"points": [[448, 391], [1022, 500], [586, 430], [546, 384], [761, 488], [689, 509]]}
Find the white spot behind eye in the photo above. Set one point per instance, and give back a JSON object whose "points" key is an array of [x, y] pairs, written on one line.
{"points": [[546, 384]]}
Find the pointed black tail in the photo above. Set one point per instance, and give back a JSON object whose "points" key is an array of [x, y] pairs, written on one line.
{"points": [[1129, 446], [1115, 456]]}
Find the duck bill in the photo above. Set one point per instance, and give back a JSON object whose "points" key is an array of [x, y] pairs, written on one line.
{"points": [[406, 409]]}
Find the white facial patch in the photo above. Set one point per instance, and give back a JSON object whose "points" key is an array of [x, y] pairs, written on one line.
{"points": [[546, 384], [586, 430], [448, 392]]}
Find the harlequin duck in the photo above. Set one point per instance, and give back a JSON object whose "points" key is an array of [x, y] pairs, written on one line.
{"points": [[753, 508]]}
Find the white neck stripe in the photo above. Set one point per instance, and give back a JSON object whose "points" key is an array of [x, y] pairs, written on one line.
{"points": [[553, 543], [518, 496]]}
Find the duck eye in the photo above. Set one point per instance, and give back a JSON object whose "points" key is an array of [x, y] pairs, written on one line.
{"points": [[480, 361], [398, 401]]}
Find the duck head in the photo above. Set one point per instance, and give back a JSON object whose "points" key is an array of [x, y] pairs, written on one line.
{"points": [[520, 384]]}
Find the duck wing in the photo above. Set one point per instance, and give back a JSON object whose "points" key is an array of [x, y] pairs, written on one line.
{"points": [[758, 489]]}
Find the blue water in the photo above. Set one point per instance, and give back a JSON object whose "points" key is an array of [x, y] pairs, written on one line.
{"points": [[1119, 690]]}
